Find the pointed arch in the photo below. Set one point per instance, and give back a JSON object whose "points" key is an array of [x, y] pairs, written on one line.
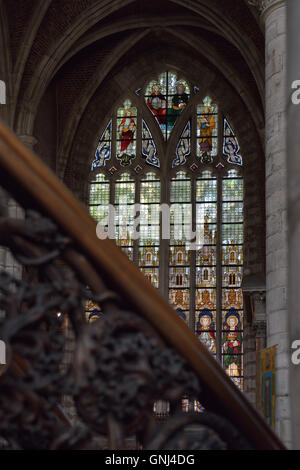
{"points": [[149, 149], [166, 97], [103, 150], [194, 268]]}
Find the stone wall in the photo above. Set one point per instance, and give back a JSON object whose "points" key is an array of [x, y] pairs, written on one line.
{"points": [[276, 209]]}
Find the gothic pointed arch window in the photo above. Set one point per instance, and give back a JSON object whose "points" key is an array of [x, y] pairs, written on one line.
{"points": [[166, 145]]}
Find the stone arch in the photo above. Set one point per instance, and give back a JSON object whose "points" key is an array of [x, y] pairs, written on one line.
{"points": [[77, 170], [43, 72], [103, 71]]}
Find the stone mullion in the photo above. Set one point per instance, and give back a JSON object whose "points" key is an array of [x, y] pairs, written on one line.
{"points": [[164, 245], [112, 219], [136, 242], [219, 271], [192, 307]]}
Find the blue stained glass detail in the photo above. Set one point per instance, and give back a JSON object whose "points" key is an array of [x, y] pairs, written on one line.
{"points": [[183, 148], [149, 150], [103, 151], [94, 315], [138, 91], [231, 146], [196, 89]]}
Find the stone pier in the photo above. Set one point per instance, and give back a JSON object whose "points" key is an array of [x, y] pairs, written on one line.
{"points": [[273, 15], [293, 173]]}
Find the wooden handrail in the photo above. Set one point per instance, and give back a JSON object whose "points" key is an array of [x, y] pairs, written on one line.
{"points": [[26, 177]]}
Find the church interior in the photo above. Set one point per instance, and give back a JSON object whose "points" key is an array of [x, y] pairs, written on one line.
{"points": [[148, 235]]}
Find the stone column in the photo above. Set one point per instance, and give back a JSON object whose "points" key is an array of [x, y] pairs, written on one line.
{"points": [[276, 209], [273, 14], [293, 173], [254, 289]]}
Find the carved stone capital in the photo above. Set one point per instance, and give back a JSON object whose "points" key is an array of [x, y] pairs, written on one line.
{"points": [[266, 6]]}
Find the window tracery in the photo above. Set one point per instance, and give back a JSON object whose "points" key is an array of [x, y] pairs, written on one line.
{"points": [[186, 155]]}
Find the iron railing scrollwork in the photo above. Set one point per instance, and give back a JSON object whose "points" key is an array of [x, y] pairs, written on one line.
{"points": [[136, 353]]}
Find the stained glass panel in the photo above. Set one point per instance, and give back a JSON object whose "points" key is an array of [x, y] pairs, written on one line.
{"points": [[167, 97], [232, 212], [232, 345], [207, 130], [180, 298], [183, 148], [206, 298], [206, 280], [231, 148], [232, 271], [149, 241], [126, 133], [92, 311], [125, 213], [232, 189], [232, 275], [232, 254], [103, 151], [99, 200], [212, 299], [179, 254], [206, 328], [149, 150], [207, 254]]}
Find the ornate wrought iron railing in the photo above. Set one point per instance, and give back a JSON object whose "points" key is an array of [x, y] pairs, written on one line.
{"points": [[139, 351]]}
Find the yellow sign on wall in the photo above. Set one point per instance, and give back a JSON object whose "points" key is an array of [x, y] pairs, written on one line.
{"points": [[267, 384]]}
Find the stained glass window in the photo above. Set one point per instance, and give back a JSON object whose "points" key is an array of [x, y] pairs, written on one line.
{"points": [[126, 130], [103, 150], [183, 148], [149, 241], [99, 199], [125, 199], [206, 278], [167, 97], [232, 270], [200, 267], [179, 256], [207, 130], [149, 150], [93, 311], [231, 146]]}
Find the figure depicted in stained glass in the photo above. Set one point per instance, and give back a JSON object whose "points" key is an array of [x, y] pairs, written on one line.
{"points": [[179, 102], [103, 151], [94, 315], [207, 125], [198, 407], [205, 330], [232, 343], [231, 146], [148, 147], [166, 98], [126, 131], [183, 148], [93, 311], [157, 103]]}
